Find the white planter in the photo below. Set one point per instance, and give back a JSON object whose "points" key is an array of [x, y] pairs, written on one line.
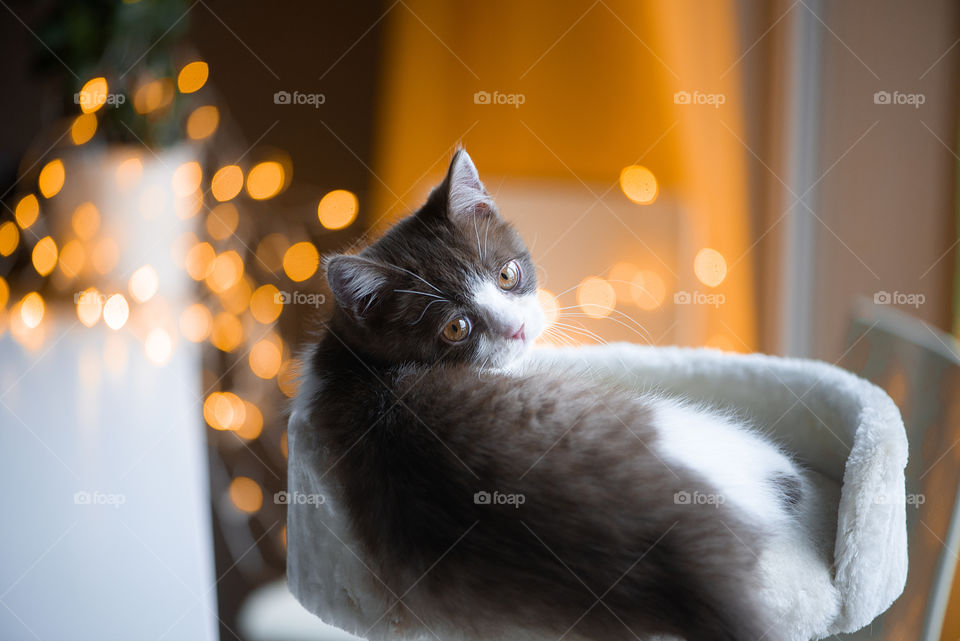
{"points": [[107, 531]]}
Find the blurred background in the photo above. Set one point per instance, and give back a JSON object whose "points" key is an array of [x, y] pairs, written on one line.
{"points": [[750, 176]]}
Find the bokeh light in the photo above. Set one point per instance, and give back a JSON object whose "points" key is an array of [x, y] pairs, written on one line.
{"points": [[265, 304], [129, 172], [337, 209], [4, 292], [44, 255], [153, 95], [252, 422], [83, 128], [72, 258], [222, 221], [199, 260], [116, 311], [224, 411], [227, 332], [225, 271], [192, 77], [196, 322], [596, 297], [27, 211], [710, 267], [236, 299], [265, 180], [144, 283], [89, 306], [246, 494], [93, 95], [30, 337], [9, 238], [639, 184], [32, 309], [203, 122], [648, 290], [51, 178], [265, 358], [300, 262], [86, 220], [187, 178], [227, 182]]}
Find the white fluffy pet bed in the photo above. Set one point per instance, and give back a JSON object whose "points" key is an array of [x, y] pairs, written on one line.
{"points": [[840, 570]]}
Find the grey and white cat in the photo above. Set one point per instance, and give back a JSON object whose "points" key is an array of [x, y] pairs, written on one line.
{"points": [[493, 491]]}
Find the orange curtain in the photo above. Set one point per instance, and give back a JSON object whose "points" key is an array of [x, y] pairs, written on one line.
{"points": [[597, 82]]}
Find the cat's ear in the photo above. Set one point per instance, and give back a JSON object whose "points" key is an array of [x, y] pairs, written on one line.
{"points": [[357, 283], [466, 195]]}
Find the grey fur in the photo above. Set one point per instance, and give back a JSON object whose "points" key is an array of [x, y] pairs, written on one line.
{"points": [[598, 549]]}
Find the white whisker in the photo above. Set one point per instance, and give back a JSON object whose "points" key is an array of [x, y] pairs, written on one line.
{"points": [[412, 291], [565, 291], [559, 335], [582, 331], [612, 311], [645, 336], [426, 307], [421, 279]]}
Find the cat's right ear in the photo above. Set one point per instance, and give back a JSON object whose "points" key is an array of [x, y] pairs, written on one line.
{"points": [[357, 283]]}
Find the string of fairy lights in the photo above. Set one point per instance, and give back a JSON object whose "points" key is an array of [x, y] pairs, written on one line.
{"points": [[244, 275]]}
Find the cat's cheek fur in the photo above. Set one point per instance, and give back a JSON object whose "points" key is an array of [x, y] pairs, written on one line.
{"points": [[504, 314]]}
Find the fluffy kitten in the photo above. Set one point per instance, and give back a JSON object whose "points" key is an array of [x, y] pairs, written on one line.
{"points": [[500, 500]]}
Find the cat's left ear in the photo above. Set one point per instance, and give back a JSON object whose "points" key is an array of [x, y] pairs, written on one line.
{"points": [[359, 284], [466, 195]]}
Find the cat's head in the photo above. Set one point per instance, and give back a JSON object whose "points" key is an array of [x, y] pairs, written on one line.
{"points": [[452, 282]]}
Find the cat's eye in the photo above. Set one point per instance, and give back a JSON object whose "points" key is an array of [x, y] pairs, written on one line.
{"points": [[509, 276], [457, 330]]}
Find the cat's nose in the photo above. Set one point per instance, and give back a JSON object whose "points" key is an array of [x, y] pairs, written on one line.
{"points": [[519, 334]]}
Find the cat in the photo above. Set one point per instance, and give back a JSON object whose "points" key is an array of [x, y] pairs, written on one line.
{"points": [[492, 494]]}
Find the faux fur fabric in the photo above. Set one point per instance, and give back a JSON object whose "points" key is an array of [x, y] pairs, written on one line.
{"points": [[843, 566]]}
